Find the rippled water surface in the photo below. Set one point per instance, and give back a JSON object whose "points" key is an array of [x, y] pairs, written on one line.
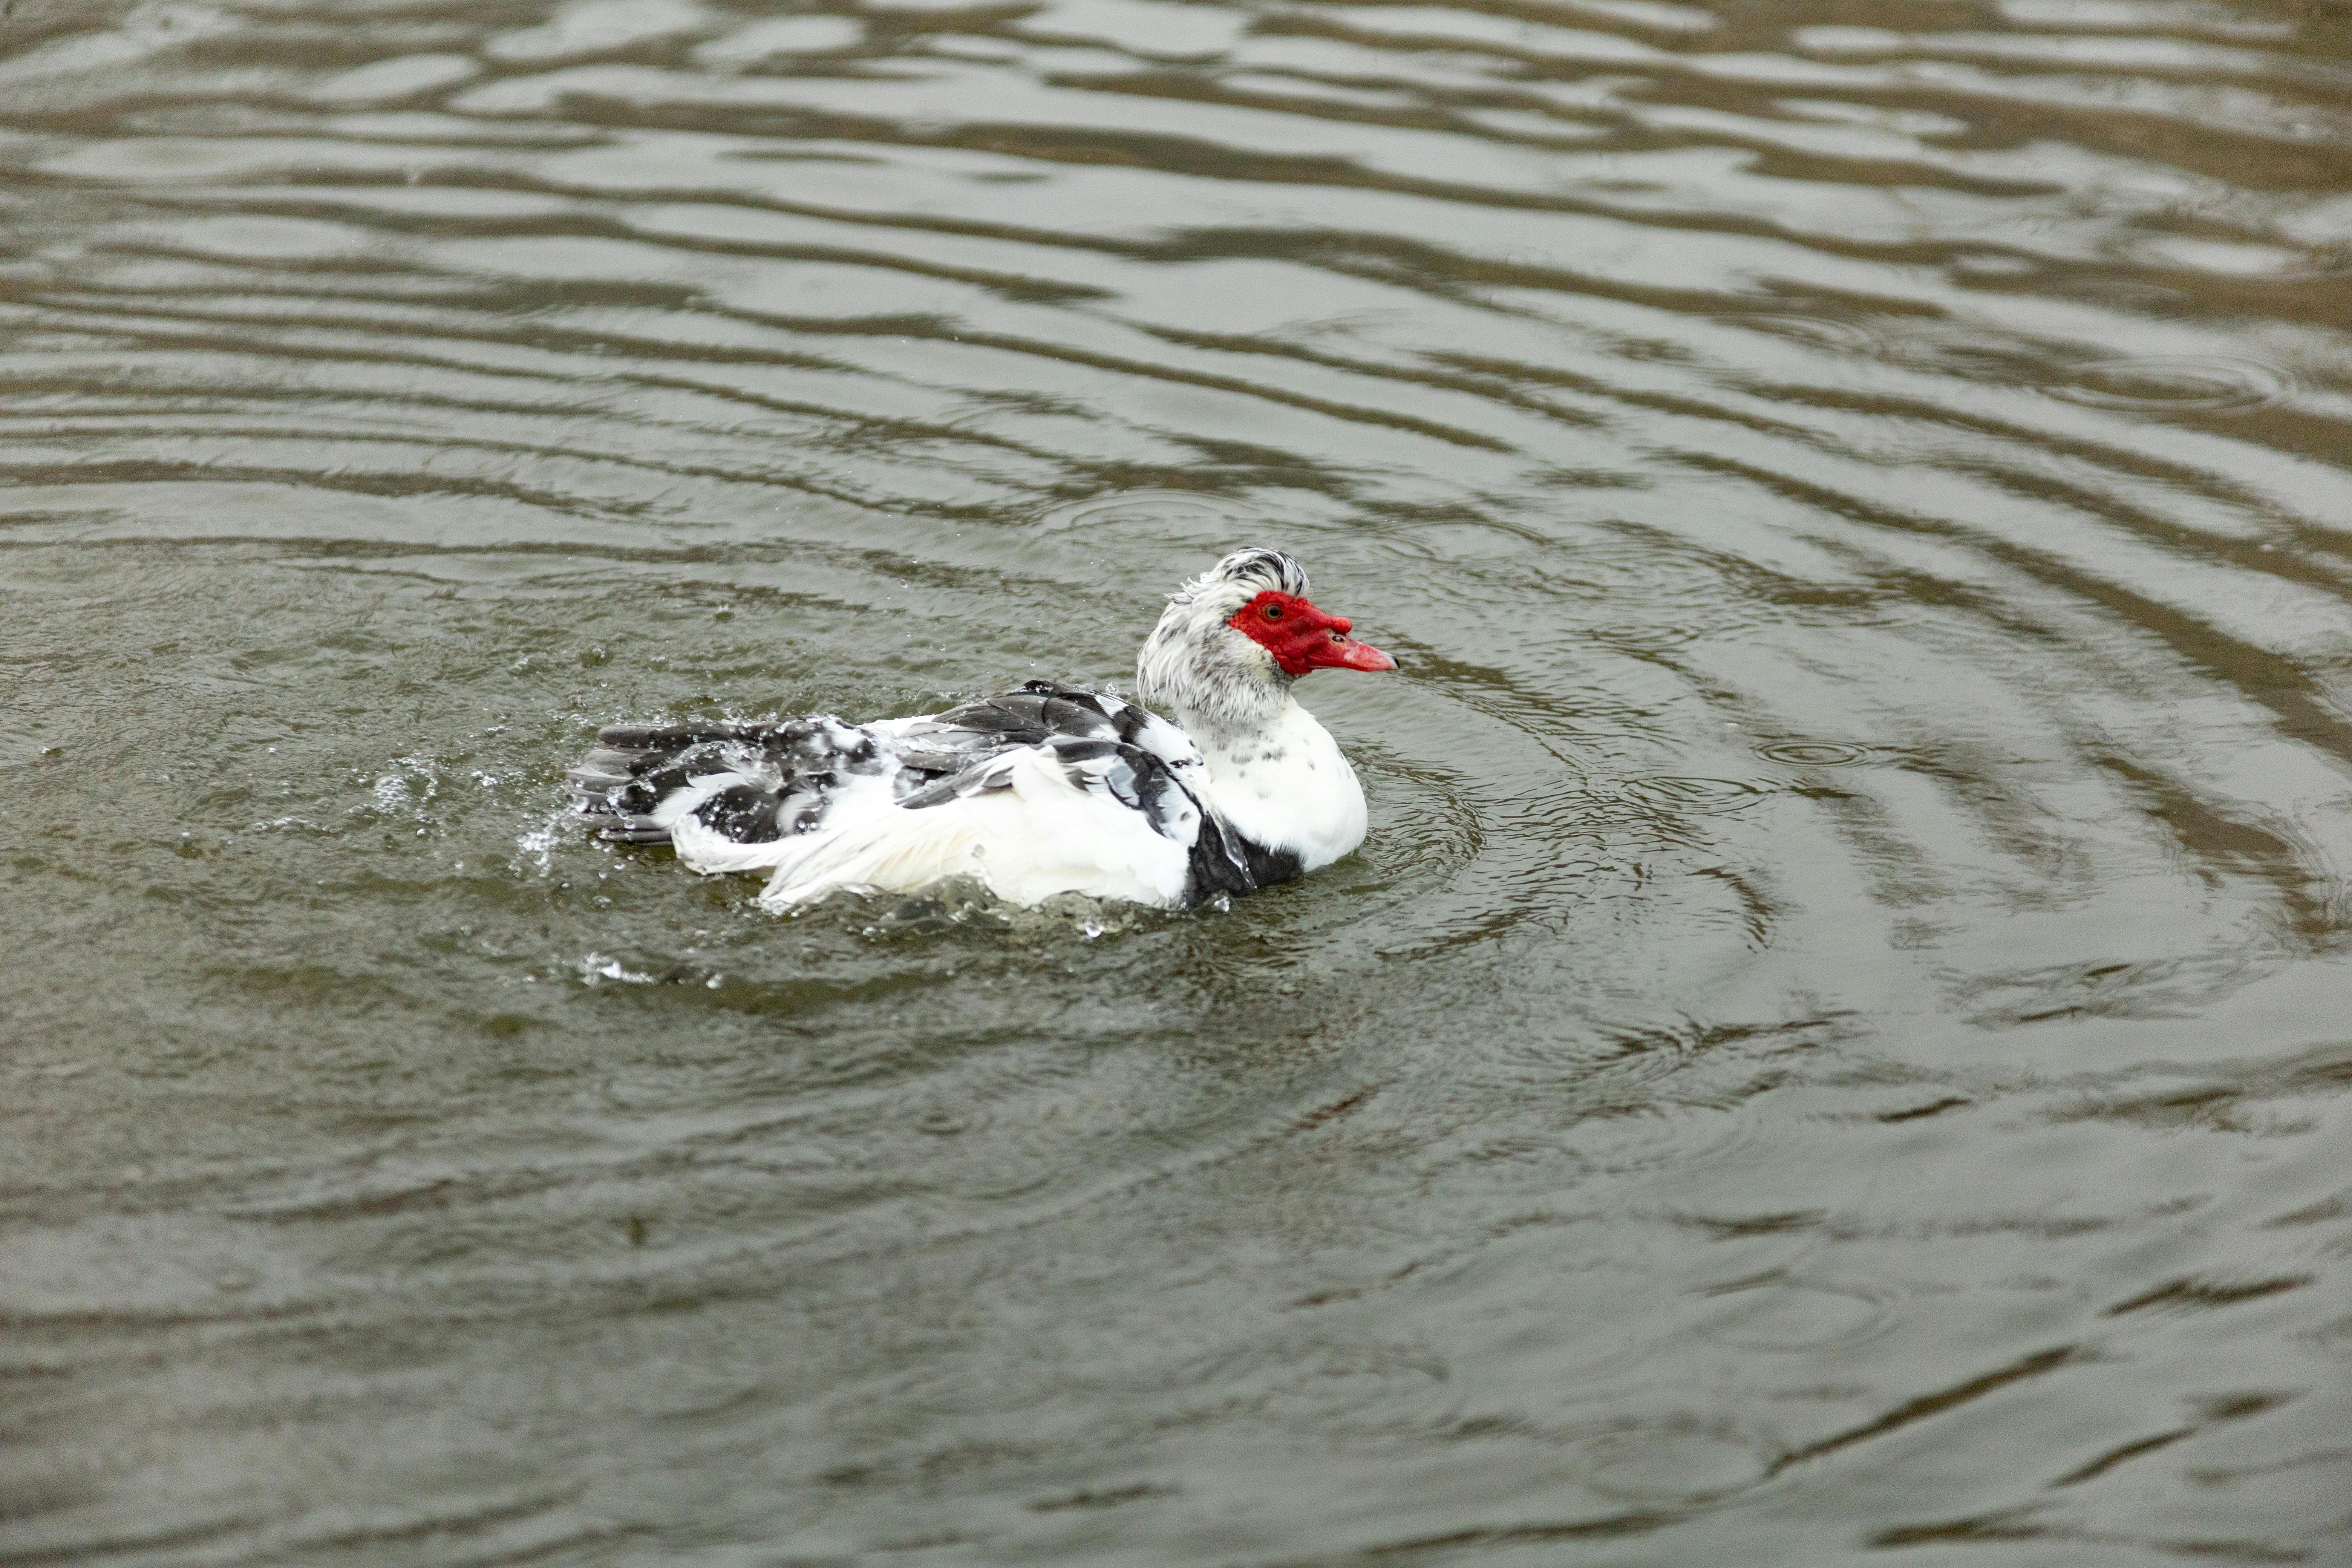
{"points": [[1838, 1042]]}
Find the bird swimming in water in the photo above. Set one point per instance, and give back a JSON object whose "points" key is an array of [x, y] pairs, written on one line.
{"points": [[1047, 790]]}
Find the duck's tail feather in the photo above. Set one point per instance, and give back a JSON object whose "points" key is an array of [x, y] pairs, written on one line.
{"points": [[630, 780]]}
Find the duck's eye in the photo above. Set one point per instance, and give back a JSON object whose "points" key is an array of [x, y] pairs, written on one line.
{"points": [[1274, 612]]}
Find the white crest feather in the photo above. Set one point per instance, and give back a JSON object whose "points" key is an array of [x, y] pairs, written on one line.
{"points": [[1194, 665]]}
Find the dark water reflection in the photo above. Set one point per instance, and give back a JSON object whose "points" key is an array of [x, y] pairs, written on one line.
{"points": [[1836, 1042]]}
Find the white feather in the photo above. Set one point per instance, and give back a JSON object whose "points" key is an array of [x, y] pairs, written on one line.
{"points": [[1037, 835], [1287, 785]]}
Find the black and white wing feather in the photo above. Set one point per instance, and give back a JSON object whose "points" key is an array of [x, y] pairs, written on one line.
{"points": [[1044, 790]]}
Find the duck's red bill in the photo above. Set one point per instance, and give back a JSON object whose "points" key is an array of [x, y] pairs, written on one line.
{"points": [[1347, 653], [1302, 637]]}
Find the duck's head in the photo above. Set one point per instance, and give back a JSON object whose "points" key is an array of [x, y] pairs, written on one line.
{"points": [[1232, 639]]}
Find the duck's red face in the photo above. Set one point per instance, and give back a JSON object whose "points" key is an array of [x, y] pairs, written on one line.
{"points": [[1302, 637]]}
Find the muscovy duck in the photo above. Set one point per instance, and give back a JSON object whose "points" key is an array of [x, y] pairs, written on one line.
{"points": [[1047, 790]]}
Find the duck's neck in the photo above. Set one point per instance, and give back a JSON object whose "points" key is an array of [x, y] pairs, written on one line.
{"points": [[1281, 780]]}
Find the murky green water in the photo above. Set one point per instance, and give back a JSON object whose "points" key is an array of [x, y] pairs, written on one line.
{"points": [[1840, 1040]]}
